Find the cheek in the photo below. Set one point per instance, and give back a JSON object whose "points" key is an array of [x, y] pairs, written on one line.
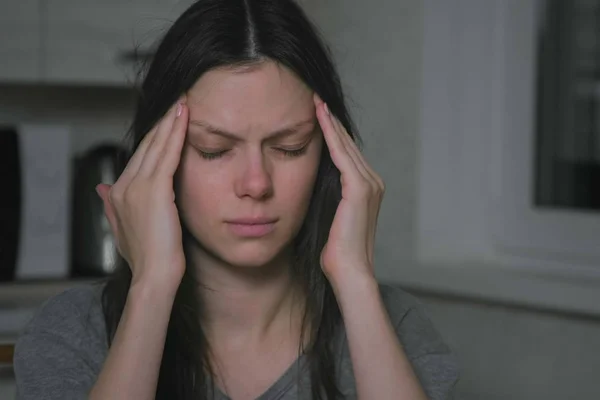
{"points": [[198, 190], [296, 184]]}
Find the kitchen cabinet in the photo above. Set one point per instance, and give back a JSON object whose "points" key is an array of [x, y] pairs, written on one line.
{"points": [[90, 42], [83, 41], [20, 41]]}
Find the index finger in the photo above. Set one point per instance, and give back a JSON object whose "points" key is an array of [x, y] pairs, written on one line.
{"points": [[174, 146], [337, 150]]}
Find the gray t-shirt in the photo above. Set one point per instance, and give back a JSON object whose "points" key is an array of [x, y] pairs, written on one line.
{"points": [[61, 352]]}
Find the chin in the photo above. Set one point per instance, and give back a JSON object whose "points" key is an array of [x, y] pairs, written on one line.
{"points": [[265, 252], [253, 255], [245, 255]]}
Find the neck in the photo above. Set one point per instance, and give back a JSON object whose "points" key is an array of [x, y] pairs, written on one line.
{"points": [[246, 305]]}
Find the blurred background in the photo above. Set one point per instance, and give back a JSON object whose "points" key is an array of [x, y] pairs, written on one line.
{"points": [[482, 116]]}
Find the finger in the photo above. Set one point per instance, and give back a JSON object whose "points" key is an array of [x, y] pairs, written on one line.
{"points": [[337, 149], [172, 154], [370, 176], [133, 165], [362, 163], [373, 193], [353, 153], [317, 100], [350, 146], [151, 159], [360, 158], [344, 137], [104, 191]]}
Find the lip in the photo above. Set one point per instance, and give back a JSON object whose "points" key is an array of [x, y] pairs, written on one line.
{"points": [[252, 227], [252, 221]]}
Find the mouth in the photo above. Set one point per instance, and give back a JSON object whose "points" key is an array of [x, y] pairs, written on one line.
{"points": [[252, 227]]}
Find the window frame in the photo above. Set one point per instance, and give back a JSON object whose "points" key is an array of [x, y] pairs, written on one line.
{"points": [[476, 163]]}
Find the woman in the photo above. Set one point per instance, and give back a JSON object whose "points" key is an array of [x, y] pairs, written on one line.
{"points": [[246, 219]]}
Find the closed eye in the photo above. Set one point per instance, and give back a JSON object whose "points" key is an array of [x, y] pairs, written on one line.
{"points": [[292, 152], [212, 155]]}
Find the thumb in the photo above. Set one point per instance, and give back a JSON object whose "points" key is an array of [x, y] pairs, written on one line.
{"points": [[103, 191]]}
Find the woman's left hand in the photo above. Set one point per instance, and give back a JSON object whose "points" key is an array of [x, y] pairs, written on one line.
{"points": [[349, 248]]}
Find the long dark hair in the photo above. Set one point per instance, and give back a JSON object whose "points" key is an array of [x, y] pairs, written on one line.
{"points": [[219, 33]]}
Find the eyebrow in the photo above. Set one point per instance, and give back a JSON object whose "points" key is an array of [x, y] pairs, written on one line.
{"points": [[291, 129]]}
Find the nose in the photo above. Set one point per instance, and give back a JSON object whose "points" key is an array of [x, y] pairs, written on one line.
{"points": [[255, 178]]}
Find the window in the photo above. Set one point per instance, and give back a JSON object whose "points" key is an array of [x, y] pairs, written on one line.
{"points": [[567, 166], [510, 137]]}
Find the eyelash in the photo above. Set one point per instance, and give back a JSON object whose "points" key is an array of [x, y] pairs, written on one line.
{"points": [[286, 153], [211, 156]]}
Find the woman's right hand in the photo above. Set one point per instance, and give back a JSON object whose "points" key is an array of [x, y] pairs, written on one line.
{"points": [[140, 206]]}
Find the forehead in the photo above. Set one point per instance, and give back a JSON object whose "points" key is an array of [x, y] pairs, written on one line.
{"points": [[252, 99]]}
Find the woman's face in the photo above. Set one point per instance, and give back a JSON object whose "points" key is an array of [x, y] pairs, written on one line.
{"points": [[249, 163]]}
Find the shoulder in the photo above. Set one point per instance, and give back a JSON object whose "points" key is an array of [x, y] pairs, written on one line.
{"points": [[64, 339], [431, 358], [416, 331], [397, 301], [69, 311]]}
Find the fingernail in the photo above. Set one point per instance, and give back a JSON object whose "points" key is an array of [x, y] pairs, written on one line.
{"points": [[179, 107], [326, 109], [98, 191]]}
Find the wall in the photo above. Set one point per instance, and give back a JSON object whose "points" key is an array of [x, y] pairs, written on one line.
{"points": [[506, 353], [377, 48], [513, 354]]}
